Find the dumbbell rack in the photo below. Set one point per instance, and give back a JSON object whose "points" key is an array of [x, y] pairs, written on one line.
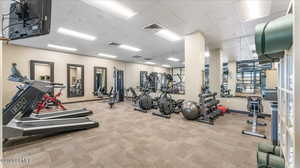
{"points": [[208, 108]]}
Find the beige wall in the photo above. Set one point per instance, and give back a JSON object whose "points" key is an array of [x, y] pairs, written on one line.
{"points": [[271, 78], [22, 56], [240, 104]]}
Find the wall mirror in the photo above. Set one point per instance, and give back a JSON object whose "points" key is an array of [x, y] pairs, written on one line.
{"points": [[100, 79], [41, 70], [75, 82]]}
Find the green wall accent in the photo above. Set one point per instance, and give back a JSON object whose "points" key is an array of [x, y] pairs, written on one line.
{"points": [[272, 38]]}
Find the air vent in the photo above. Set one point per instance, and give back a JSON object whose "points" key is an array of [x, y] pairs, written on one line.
{"points": [[113, 44], [153, 27], [147, 59], [137, 56]]}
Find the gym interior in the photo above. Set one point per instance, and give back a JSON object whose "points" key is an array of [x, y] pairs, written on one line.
{"points": [[156, 83]]}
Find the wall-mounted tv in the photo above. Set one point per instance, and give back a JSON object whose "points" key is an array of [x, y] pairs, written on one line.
{"points": [[28, 18]]}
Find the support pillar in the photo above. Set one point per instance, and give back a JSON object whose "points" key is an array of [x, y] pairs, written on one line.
{"points": [[1, 95], [232, 77], [194, 65], [215, 70]]}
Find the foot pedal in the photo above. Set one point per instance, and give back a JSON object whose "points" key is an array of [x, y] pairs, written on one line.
{"points": [[210, 122], [254, 134], [140, 110], [161, 115]]}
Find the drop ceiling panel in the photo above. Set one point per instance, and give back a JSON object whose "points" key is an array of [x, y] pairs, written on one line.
{"points": [[218, 20]]}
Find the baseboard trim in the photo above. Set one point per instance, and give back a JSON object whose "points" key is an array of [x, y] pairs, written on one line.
{"points": [[246, 112], [83, 101]]}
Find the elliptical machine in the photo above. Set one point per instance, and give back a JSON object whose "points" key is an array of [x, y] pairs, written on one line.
{"points": [[255, 107], [166, 104], [144, 101]]}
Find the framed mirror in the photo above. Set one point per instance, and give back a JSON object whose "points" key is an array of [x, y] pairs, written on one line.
{"points": [[75, 80], [41, 70], [100, 79]]}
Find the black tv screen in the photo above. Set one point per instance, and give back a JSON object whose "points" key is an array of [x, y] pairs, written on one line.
{"points": [[29, 18]]}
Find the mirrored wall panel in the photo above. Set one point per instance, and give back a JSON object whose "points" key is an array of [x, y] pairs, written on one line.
{"points": [[42, 70], [178, 80], [100, 79], [75, 75]]}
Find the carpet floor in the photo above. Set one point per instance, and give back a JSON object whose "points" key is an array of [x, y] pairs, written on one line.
{"points": [[131, 139]]}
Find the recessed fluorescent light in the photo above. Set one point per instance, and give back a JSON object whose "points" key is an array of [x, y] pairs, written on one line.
{"points": [[166, 66], [254, 9], [127, 47], [168, 35], [255, 55], [207, 54], [112, 7], [173, 59], [107, 55], [76, 34], [150, 63], [61, 47]]}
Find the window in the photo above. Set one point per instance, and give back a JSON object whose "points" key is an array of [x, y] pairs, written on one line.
{"points": [[251, 76]]}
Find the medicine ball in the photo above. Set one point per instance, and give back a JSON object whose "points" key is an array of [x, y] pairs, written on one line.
{"points": [[190, 110]]}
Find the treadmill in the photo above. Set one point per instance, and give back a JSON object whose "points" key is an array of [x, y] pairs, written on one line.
{"points": [[47, 86], [17, 115], [62, 114]]}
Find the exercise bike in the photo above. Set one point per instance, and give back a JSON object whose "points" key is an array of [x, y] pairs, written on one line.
{"points": [[255, 107], [50, 100]]}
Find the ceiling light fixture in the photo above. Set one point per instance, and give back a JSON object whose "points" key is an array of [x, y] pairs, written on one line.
{"points": [[166, 66], [62, 47], [207, 54], [254, 9], [76, 34], [112, 7], [150, 63], [106, 55], [130, 48], [173, 59], [168, 35]]}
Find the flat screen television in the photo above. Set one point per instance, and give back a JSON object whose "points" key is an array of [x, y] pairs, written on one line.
{"points": [[28, 18]]}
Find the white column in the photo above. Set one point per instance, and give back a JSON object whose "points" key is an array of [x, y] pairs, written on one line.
{"points": [[194, 65], [296, 55], [232, 77], [215, 70], [1, 95]]}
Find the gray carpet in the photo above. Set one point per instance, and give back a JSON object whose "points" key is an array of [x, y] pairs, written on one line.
{"points": [[131, 139]]}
